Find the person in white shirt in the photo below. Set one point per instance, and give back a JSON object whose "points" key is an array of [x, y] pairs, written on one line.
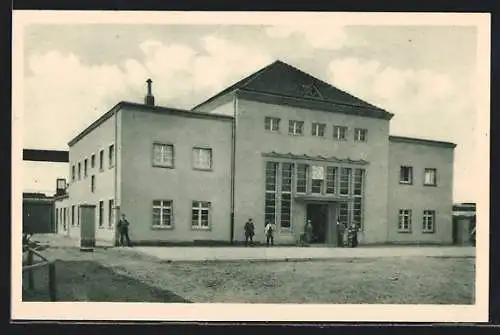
{"points": [[269, 232]]}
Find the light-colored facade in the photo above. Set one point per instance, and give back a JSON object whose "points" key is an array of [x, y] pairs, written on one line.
{"points": [[254, 151]]}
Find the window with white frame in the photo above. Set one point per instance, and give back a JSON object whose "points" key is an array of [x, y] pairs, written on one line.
{"points": [[345, 181], [111, 156], [430, 177], [202, 158], [286, 195], [318, 129], [295, 127], [406, 175], [404, 224], [428, 221], [317, 179], [85, 168], [162, 213], [302, 178], [339, 132], [331, 179], [360, 134], [358, 193], [271, 192], [200, 215], [272, 123], [163, 155]]}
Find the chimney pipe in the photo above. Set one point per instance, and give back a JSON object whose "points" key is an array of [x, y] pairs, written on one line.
{"points": [[149, 99]]}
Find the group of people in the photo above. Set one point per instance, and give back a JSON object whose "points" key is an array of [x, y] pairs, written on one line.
{"points": [[269, 230]]}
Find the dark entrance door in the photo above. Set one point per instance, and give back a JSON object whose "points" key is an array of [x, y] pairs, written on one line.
{"points": [[318, 214]]}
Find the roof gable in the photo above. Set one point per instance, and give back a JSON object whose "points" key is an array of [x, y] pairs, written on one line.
{"points": [[283, 79]]}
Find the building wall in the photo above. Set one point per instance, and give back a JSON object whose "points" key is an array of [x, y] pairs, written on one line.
{"points": [[80, 191], [141, 183], [418, 197], [38, 216], [252, 140], [62, 221]]}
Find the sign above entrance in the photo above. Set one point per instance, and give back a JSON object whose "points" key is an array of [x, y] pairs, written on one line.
{"points": [[317, 172]]}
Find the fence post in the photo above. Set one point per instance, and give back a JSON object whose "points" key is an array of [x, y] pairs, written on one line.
{"points": [[31, 281], [52, 281]]}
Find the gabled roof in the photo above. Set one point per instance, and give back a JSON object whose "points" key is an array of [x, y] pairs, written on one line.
{"points": [[282, 79]]}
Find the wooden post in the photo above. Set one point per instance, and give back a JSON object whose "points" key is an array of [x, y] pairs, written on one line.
{"points": [[52, 281], [31, 281]]}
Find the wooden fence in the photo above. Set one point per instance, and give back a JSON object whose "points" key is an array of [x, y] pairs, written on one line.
{"points": [[30, 267]]}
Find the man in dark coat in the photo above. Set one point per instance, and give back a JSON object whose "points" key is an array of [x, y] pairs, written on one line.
{"points": [[122, 227], [249, 231]]}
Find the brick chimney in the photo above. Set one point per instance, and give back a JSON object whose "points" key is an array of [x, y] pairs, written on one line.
{"points": [[149, 99]]}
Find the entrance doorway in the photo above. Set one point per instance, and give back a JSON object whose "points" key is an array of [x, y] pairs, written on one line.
{"points": [[318, 214]]}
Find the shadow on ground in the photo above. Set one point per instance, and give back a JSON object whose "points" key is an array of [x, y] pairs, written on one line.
{"points": [[89, 281]]}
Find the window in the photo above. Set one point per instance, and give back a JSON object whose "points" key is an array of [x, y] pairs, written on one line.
{"points": [[331, 179], [92, 161], [271, 192], [79, 171], [200, 215], [343, 217], [404, 224], [64, 218], [318, 129], [202, 158], [272, 123], [360, 134], [85, 168], [359, 176], [111, 211], [73, 174], [111, 156], [428, 221], [73, 221], [92, 184], [101, 214], [358, 193], [339, 132], [302, 174], [345, 181], [78, 216], [430, 177], [406, 175], [57, 219], [101, 160], [163, 155], [295, 127], [162, 213], [286, 195]]}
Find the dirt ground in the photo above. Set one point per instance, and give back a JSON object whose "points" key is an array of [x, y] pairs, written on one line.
{"points": [[394, 280]]}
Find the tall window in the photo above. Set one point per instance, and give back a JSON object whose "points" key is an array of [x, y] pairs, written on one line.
{"points": [[344, 214], [357, 215], [200, 215], [272, 123], [77, 216], [406, 175], [302, 174], [339, 132], [111, 212], [317, 177], [271, 192], [404, 224], [286, 195], [163, 155], [101, 213], [79, 171], [202, 158], [73, 174], [111, 156], [345, 181], [73, 221], [331, 179], [92, 183], [101, 160], [92, 161], [318, 129], [428, 221], [360, 134], [430, 177], [85, 168], [57, 219], [295, 127], [64, 218], [162, 213]]}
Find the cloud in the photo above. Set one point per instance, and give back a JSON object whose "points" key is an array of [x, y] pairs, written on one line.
{"points": [[332, 37]]}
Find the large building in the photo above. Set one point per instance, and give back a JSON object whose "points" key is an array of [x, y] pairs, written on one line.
{"points": [[278, 146]]}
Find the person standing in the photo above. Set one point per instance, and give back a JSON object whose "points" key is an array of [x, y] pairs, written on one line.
{"points": [[308, 230], [122, 227], [269, 232], [249, 231]]}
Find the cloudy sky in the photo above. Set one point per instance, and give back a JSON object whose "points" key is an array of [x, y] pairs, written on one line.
{"points": [[425, 75]]}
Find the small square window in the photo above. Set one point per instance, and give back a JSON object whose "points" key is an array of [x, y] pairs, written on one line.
{"points": [[339, 132], [295, 127], [360, 135], [202, 158], [162, 214], [272, 123], [318, 129], [406, 175], [163, 155], [430, 177]]}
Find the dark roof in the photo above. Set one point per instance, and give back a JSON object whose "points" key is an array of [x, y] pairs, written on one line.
{"points": [[421, 141], [144, 108], [282, 79]]}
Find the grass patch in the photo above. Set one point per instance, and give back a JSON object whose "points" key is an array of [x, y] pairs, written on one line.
{"points": [[89, 281]]}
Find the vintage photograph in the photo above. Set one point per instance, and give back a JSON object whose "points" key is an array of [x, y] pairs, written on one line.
{"points": [[314, 162]]}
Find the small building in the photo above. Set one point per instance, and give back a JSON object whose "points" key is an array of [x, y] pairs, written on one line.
{"points": [[38, 213], [278, 146]]}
